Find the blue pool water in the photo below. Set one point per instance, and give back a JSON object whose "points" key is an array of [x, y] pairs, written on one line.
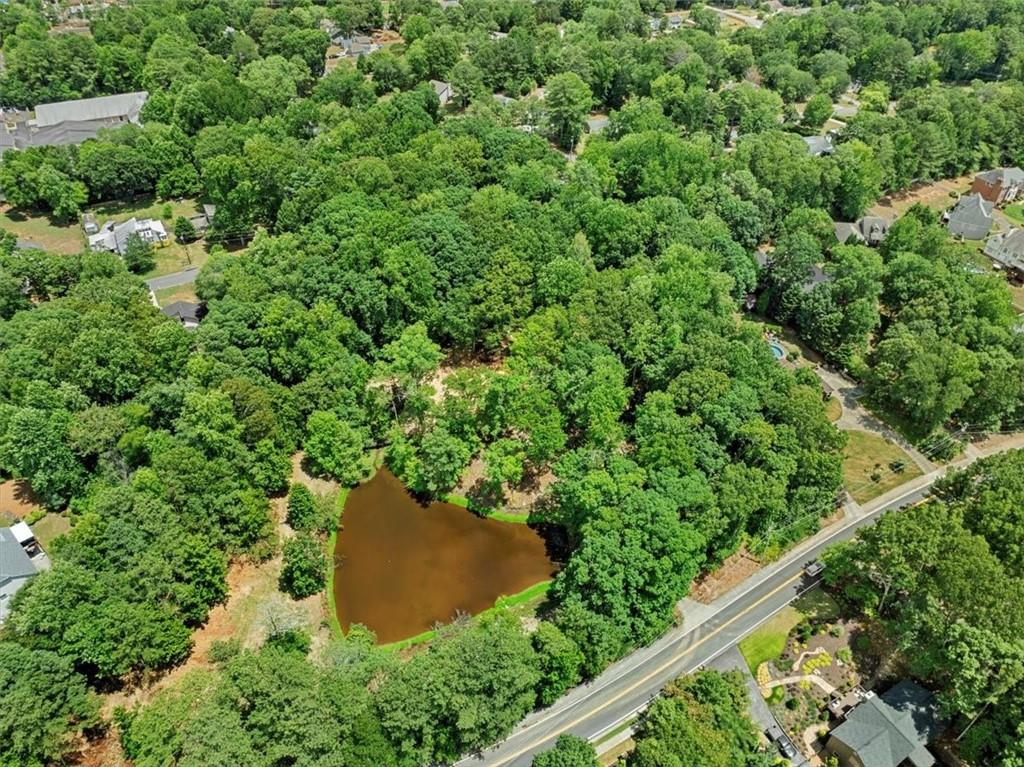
{"points": [[777, 351]]}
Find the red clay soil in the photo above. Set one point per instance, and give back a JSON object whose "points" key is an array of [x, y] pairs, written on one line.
{"points": [[733, 571], [16, 496]]}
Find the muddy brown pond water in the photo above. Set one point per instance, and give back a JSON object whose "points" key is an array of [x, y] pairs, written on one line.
{"points": [[401, 566]]}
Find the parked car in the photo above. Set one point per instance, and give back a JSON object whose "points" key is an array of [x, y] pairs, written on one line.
{"points": [[781, 741]]}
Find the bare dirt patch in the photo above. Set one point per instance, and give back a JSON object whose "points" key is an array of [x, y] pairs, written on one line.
{"points": [[17, 498], [301, 475], [938, 195], [733, 571]]}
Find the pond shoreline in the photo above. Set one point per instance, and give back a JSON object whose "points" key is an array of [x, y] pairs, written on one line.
{"points": [[489, 554]]}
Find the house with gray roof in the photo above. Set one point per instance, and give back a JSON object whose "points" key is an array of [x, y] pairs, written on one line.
{"points": [[1007, 249], [20, 559], [188, 313], [1000, 186], [443, 91], [971, 218], [819, 145], [596, 123], [890, 730], [870, 230]]}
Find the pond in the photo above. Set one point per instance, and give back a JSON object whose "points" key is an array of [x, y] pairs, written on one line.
{"points": [[401, 565]]}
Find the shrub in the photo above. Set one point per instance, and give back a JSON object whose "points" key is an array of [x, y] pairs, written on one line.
{"points": [[845, 655], [223, 650], [305, 567], [291, 640], [792, 704], [836, 631], [302, 511]]}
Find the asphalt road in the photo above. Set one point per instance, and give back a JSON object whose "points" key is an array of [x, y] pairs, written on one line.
{"points": [[184, 277], [610, 700]]}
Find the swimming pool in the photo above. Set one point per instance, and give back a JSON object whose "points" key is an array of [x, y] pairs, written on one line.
{"points": [[777, 351]]}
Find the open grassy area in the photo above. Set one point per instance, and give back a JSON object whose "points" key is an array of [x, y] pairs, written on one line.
{"points": [[817, 605], [769, 640], [1015, 213], [833, 409], [871, 466], [179, 293], [49, 527], [38, 229]]}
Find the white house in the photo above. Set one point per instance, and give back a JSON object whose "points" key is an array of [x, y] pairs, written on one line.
{"points": [[114, 237]]}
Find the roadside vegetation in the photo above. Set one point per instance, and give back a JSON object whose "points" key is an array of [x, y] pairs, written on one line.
{"points": [[940, 579], [595, 280]]}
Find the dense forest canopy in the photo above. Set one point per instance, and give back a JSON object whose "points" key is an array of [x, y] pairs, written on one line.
{"points": [[601, 275]]}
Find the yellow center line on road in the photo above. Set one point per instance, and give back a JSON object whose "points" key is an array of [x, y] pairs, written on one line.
{"points": [[650, 675]]}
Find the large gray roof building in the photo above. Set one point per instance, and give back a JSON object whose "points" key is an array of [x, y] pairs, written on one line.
{"points": [[119, 108], [891, 730]]}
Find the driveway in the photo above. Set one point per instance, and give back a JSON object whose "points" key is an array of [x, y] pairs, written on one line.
{"points": [[184, 277], [760, 714], [856, 417]]}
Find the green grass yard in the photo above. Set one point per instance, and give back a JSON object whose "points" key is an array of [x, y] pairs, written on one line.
{"points": [[1015, 213], [768, 641], [868, 462]]}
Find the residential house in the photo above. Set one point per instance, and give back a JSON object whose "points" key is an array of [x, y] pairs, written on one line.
{"points": [[597, 123], [971, 218], [446, 4], [890, 730], [357, 45], [63, 123], [443, 91], [819, 145], [21, 558], [188, 313], [114, 237], [1007, 249], [999, 186], [818, 276], [498, 35], [870, 230], [504, 100]]}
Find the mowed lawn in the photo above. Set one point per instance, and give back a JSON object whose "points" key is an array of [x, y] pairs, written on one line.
{"points": [[38, 229], [871, 466], [768, 641], [1015, 213]]}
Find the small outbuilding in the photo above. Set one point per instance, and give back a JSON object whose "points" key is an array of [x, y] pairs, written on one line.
{"points": [[443, 91]]}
